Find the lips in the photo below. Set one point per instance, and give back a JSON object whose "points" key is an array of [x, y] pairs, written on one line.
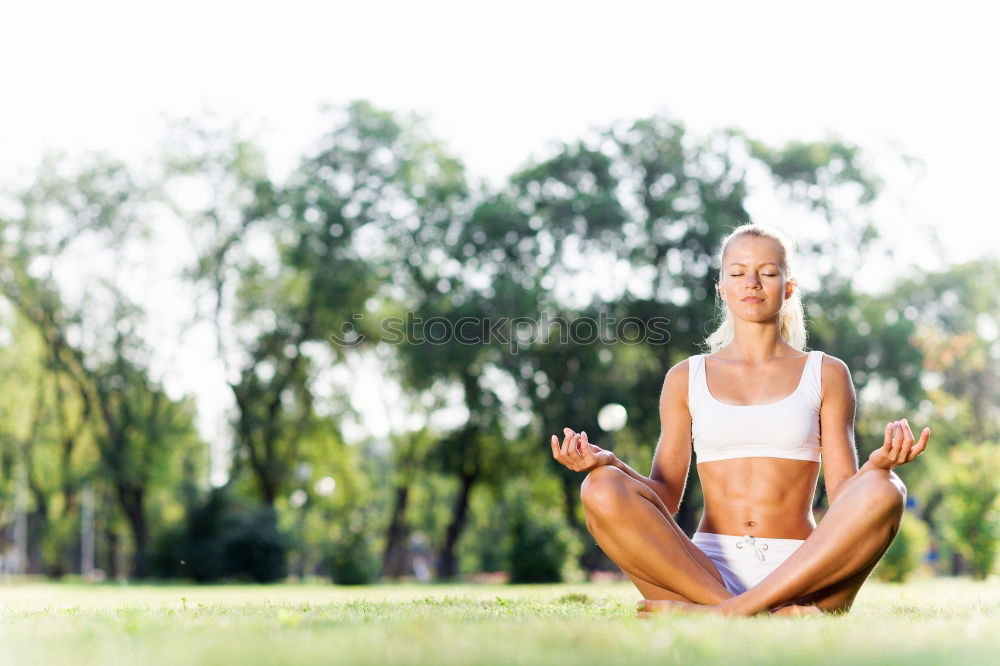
{"points": [[752, 299]]}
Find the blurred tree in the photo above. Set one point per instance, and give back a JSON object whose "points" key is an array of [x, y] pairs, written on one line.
{"points": [[432, 286], [410, 452], [93, 345], [957, 331], [34, 434], [289, 266], [222, 539], [472, 294], [960, 337], [970, 506]]}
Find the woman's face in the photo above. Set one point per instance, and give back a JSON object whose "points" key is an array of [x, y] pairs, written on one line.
{"points": [[753, 283]]}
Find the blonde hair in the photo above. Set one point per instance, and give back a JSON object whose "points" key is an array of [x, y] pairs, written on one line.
{"points": [[791, 318]]}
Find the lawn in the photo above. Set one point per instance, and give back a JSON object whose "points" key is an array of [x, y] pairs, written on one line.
{"points": [[928, 622]]}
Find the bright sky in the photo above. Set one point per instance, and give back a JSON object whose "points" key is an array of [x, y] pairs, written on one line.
{"points": [[499, 80]]}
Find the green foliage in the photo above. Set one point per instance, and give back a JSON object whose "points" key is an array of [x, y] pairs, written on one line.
{"points": [[970, 506], [960, 327], [224, 539], [544, 549], [352, 559], [817, 163], [520, 527], [542, 546], [906, 552], [485, 547]]}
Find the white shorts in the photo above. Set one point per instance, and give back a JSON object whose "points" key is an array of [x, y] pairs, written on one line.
{"points": [[744, 561]]}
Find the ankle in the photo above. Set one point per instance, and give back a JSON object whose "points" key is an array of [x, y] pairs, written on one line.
{"points": [[737, 606]]}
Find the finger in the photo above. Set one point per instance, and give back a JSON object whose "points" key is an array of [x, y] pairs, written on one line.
{"points": [[575, 446], [567, 440], [564, 448], [891, 446], [897, 440], [886, 449], [555, 447], [921, 444], [907, 443]]}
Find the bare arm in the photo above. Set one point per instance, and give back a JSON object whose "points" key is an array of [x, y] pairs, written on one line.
{"points": [[672, 458], [836, 424], [840, 462]]}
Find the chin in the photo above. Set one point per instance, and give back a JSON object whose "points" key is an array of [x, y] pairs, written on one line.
{"points": [[756, 315]]}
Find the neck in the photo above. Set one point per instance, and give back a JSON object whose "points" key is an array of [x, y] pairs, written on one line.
{"points": [[754, 342]]}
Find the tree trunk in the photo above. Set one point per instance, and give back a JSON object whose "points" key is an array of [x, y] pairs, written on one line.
{"points": [[958, 565], [268, 491], [132, 500], [38, 521], [111, 546], [394, 559], [448, 562]]}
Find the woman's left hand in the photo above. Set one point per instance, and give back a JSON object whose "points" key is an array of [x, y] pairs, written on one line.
{"points": [[899, 447]]}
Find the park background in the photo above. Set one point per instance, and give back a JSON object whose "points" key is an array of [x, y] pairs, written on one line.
{"points": [[196, 200]]}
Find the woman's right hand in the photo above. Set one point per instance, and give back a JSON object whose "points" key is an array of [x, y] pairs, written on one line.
{"points": [[578, 454]]}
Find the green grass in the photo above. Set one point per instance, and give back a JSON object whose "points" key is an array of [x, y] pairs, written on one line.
{"points": [[928, 622]]}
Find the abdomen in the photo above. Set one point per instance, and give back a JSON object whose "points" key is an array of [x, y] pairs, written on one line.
{"points": [[765, 497]]}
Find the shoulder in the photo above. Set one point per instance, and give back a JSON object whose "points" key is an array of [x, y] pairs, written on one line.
{"points": [[836, 376], [678, 374], [834, 367], [675, 383]]}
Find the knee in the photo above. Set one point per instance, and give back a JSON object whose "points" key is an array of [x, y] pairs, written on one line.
{"points": [[602, 490], [887, 493]]}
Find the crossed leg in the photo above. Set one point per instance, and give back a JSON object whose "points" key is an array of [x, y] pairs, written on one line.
{"points": [[848, 549], [828, 570], [635, 529]]}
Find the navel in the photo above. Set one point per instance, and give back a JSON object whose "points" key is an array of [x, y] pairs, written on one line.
{"points": [[750, 523]]}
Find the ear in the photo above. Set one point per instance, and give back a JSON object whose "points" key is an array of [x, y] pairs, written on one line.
{"points": [[790, 286]]}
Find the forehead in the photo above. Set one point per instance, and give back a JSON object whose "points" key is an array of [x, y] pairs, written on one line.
{"points": [[753, 250]]}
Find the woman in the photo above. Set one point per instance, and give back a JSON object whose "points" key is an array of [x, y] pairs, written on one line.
{"points": [[759, 412]]}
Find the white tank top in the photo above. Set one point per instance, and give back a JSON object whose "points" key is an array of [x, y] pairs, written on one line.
{"points": [[788, 428]]}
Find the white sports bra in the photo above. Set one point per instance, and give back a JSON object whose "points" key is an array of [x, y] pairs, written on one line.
{"points": [[788, 428]]}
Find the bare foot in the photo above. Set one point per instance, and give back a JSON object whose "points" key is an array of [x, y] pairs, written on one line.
{"points": [[651, 607], [795, 610]]}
